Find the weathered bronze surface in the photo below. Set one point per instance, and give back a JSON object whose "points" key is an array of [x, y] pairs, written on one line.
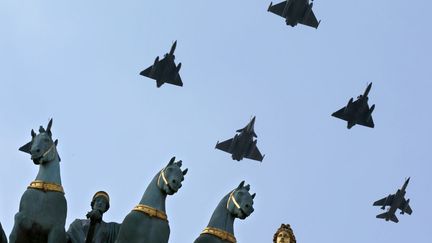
{"points": [[42, 212], [147, 223], [238, 203]]}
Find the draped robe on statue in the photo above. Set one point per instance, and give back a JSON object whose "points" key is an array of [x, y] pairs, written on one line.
{"points": [[103, 233]]}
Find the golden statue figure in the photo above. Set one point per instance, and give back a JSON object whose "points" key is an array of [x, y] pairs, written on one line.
{"points": [[284, 235]]}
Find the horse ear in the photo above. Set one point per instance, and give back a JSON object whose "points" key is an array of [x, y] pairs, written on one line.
{"points": [[253, 195], [171, 161], [241, 185], [41, 129], [26, 148], [247, 187], [49, 127], [33, 134], [185, 172], [179, 163]]}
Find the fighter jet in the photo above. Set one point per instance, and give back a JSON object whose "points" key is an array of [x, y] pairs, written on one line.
{"points": [[295, 11], [243, 144], [357, 112], [395, 201], [165, 70]]}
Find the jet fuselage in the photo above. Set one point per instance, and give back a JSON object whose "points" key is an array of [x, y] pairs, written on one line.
{"points": [[294, 11], [359, 110], [241, 145], [398, 200], [166, 71]]}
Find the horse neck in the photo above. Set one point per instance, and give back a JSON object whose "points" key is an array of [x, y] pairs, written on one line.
{"points": [[153, 196], [50, 171], [222, 218]]}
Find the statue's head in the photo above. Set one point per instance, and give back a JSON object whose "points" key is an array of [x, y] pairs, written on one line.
{"points": [[240, 201], [284, 235], [42, 148], [170, 178], [100, 201]]}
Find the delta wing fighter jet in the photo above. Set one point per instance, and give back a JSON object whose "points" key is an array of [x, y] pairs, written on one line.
{"points": [[395, 201], [165, 70], [243, 144], [357, 112], [295, 11]]}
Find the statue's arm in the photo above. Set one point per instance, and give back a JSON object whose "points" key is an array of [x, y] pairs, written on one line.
{"points": [[75, 233], [95, 215]]}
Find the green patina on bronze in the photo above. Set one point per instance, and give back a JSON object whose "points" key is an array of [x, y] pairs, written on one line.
{"points": [[148, 223], [42, 211], [238, 203], [2, 235]]}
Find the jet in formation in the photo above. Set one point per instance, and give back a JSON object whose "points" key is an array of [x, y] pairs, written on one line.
{"points": [[357, 112], [165, 70], [243, 145], [395, 201], [295, 11]]}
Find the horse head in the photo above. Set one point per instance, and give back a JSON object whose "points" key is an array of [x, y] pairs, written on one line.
{"points": [[240, 201], [170, 178], [42, 148]]}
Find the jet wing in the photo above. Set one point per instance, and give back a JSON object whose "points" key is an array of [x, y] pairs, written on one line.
{"points": [[176, 79], [341, 114], [366, 122], [278, 8], [159, 66], [405, 208], [147, 72], [311, 20], [255, 155], [225, 145], [381, 202]]}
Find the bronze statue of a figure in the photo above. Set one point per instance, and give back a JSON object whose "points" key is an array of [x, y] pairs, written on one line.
{"points": [[284, 235], [94, 229], [42, 211]]}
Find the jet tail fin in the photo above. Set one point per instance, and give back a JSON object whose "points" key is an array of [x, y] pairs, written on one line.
{"points": [[382, 216], [394, 218], [387, 217]]}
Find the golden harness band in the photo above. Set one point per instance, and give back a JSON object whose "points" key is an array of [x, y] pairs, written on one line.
{"points": [[222, 234], [232, 198], [152, 212], [45, 186]]}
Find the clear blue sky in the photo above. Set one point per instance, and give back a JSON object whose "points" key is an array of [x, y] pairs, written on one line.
{"points": [[78, 62]]}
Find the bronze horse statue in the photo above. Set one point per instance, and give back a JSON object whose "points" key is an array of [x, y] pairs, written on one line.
{"points": [[148, 222], [42, 211], [2, 235], [238, 203]]}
